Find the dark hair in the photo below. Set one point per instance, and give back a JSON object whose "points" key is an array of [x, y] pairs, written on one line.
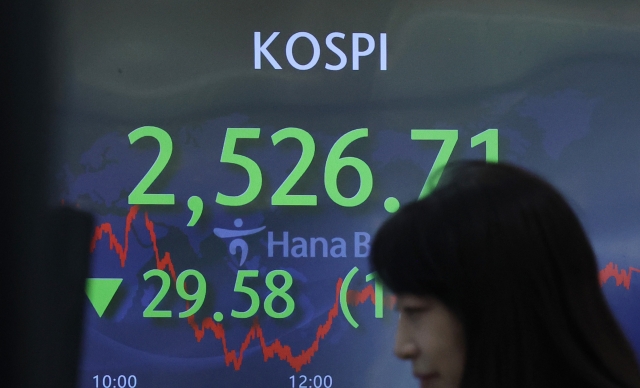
{"points": [[505, 252]]}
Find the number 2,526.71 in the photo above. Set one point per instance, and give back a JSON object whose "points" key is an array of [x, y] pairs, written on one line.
{"points": [[334, 164]]}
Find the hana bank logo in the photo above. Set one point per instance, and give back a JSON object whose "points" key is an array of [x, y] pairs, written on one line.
{"points": [[237, 242], [362, 45]]}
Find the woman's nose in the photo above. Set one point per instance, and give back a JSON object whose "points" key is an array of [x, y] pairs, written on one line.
{"points": [[405, 346]]}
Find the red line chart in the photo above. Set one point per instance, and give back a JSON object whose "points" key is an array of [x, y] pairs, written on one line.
{"points": [[269, 351], [232, 357], [622, 277], [276, 348]]}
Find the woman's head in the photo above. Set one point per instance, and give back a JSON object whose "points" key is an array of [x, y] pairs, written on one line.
{"points": [[506, 255]]}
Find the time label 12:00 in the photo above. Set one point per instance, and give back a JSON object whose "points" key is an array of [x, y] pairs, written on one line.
{"points": [[335, 162]]}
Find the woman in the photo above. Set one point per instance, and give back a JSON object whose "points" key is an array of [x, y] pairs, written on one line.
{"points": [[497, 287]]}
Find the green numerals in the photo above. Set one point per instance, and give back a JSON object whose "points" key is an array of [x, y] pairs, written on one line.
{"points": [[150, 311], [279, 292], [335, 162], [276, 292], [282, 196], [228, 156], [138, 195], [449, 138], [378, 294], [490, 138], [253, 295], [197, 296]]}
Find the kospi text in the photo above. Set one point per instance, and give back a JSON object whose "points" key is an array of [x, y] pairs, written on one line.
{"points": [[362, 45]]}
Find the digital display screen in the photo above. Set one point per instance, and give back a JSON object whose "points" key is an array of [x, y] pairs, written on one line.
{"points": [[239, 158]]}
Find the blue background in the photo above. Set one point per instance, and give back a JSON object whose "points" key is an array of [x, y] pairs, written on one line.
{"points": [[565, 107]]}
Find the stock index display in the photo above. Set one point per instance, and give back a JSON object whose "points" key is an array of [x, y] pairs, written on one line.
{"points": [[239, 161]]}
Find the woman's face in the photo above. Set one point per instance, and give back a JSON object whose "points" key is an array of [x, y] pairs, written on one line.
{"points": [[432, 338]]}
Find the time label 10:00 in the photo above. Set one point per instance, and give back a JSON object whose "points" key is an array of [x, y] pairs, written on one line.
{"points": [[334, 164], [112, 382], [198, 295]]}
